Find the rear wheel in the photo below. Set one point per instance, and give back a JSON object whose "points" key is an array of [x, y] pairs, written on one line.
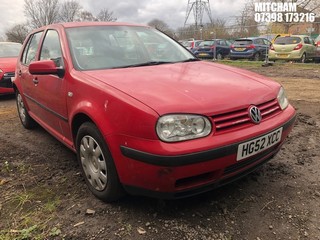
{"points": [[256, 57], [97, 164], [24, 116], [219, 56]]}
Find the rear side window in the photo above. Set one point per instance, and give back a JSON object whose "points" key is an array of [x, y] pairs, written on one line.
{"points": [[259, 41], [287, 40], [30, 51]]}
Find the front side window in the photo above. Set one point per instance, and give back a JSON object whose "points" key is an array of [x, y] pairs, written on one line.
{"points": [[51, 48], [30, 51], [105, 47]]}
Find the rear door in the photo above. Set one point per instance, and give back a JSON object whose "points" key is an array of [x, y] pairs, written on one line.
{"points": [[29, 90], [261, 47], [311, 47]]}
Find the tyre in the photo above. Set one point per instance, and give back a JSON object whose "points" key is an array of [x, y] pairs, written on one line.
{"points": [[303, 58], [96, 164], [219, 56], [256, 57], [24, 116]]}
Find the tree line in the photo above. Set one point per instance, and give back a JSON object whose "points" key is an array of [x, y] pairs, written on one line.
{"points": [[40, 13]]}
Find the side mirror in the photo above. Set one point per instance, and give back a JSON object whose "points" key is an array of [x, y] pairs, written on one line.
{"points": [[45, 67]]}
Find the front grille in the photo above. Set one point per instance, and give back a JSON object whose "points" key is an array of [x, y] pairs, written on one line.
{"points": [[6, 82], [240, 118]]}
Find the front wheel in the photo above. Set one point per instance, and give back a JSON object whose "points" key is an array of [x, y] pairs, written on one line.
{"points": [[96, 164], [24, 116]]}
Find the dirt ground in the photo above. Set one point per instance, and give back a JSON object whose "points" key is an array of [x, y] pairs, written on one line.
{"points": [[43, 196]]}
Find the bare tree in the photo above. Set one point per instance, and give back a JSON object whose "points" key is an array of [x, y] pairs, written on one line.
{"points": [[17, 33], [162, 26], [105, 16], [86, 16], [70, 11], [41, 12], [246, 24]]}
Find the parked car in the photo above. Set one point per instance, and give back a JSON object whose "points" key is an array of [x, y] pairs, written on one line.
{"points": [[167, 126], [254, 48], [191, 45], [9, 52], [294, 47], [317, 44], [215, 48]]}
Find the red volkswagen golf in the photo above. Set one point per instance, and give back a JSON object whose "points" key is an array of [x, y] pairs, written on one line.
{"points": [[143, 115]]}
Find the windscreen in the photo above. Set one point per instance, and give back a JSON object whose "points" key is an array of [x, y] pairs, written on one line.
{"points": [[8, 50], [105, 47]]}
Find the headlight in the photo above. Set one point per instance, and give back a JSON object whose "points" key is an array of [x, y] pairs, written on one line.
{"points": [[180, 127], [282, 99]]}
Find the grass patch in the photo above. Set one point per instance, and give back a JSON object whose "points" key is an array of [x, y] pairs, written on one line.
{"points": [[282, 64], [26, 214]]}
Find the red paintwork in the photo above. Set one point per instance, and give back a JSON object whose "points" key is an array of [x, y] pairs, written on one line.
{"points": [[7, 65], [126, 103]]}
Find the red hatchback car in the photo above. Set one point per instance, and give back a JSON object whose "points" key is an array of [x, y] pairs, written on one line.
{"points": [[9, 52], [158, 123]]}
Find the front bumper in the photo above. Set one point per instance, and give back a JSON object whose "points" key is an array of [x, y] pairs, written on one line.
{"points": [[6, 86], [168, 175]]}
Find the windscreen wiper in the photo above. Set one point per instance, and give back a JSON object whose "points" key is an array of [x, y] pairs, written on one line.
{"points": [[151, 63]]}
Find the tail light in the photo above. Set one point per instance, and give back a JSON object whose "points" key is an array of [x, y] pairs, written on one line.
{"points": [[271, 47], [232, 46], [251, 46], [318, 44], [299, 46], [213, 47]]}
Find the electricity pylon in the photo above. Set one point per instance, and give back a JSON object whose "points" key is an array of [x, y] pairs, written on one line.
{"points": [[198, 7]]}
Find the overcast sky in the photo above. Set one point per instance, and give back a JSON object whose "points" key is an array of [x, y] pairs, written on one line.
{"points": [[172, 12]]}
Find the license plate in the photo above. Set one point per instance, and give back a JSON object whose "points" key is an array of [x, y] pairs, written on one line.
{"points": [[252, 147], [240, 49], [203, 54], [282, 55]]}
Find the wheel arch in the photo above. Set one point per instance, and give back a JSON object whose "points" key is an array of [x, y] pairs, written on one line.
{"points": [[77, 121]]}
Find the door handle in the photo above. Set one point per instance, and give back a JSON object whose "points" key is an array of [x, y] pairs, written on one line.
{"points": [[35, 81], [20, 73]]}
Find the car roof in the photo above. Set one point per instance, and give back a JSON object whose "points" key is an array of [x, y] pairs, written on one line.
{"points": [[249, 38], [88, 24]]}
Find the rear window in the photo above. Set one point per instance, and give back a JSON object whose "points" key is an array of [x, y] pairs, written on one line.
{"points": [[243, 42], [206, 43], [287, 40]]}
